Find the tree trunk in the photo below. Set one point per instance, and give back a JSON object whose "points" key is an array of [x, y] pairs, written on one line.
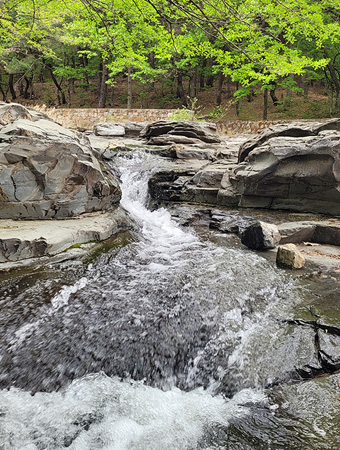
{"points": [[335, 82], [21, 86], [193, 84], [274, 97], [152, 60], [69, 90], [103, 86], [306, 90], [237, 102], [210, 77], [112, 96], [129, 99], [31, 87], [265, 104], [250, 96], [180, 89], [60, 93], [27, 86], [204, 63], [11, 86], [289, 93], [219, 89], [210, 81], [99, 78], [84, 63], [331, 102], [229, 93], [3, 93]]}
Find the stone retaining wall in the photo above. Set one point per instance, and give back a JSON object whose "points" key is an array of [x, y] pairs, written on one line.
{"points": [[86, 118], [245, 126]]}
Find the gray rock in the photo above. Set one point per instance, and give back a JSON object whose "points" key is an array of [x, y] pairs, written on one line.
{"points": [[167, 132], [261, 236], [322, 232], [9, 112], [29, 239], [296, 232], [48, 171], [133, 128], [301, 174], [294, 130], [109, 129]]}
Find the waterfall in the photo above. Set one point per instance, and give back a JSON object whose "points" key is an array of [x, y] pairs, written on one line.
{"points": [[166, 344]]}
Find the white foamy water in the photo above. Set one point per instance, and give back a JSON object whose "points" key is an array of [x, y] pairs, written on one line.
{"points": [[99, 412]]}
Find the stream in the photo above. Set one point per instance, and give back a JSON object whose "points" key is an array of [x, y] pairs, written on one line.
{"points": [[171, 341]]}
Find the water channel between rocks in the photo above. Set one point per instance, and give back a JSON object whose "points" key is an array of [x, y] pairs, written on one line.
{"points": [[169, 342]]}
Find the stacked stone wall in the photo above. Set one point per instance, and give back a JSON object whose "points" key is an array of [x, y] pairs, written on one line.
{"points": [[86, 118]]}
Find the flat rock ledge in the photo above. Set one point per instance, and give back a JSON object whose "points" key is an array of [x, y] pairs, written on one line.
{"points": [[22, 242]]}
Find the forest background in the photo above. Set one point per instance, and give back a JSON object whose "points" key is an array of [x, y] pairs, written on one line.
{"points": [[224, 59]]}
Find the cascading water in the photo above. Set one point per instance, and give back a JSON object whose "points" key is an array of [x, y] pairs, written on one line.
{"points": [[167, 344]]}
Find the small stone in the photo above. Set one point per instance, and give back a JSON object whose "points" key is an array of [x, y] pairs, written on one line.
{"points": [[289, 257], [261, 236]]}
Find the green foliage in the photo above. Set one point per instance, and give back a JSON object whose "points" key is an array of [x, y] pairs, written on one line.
{"points": [[218, 112], [182, 114], [257, 43]]}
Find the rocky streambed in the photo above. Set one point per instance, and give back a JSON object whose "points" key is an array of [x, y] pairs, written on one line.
{"points": [[172, 334]]}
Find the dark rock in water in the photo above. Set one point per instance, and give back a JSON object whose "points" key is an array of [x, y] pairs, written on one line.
{"points": [[48, 171], [329, 350], [165, 133], [261, 236]]}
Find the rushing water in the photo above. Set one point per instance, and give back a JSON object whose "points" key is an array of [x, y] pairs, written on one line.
{"points": [[169, 343]]}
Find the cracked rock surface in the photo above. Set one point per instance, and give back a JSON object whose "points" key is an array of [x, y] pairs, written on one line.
{"points": [[48, 171]]}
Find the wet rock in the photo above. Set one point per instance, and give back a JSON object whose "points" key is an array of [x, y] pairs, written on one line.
{"points": [[261, 236], [289, 257], [109, 129], [48, 171], [168, 132], [26, 239], [329, 350], [191, 215]]}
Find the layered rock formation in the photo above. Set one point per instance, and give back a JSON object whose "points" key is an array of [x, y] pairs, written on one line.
{"points": [[178, 132], [291, 167], [48, 171], [296, 168]]}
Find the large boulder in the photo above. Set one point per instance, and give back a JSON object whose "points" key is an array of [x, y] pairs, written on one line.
{"points": [[294, 173], [179, 132], [261, 236], [48, 171]]}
